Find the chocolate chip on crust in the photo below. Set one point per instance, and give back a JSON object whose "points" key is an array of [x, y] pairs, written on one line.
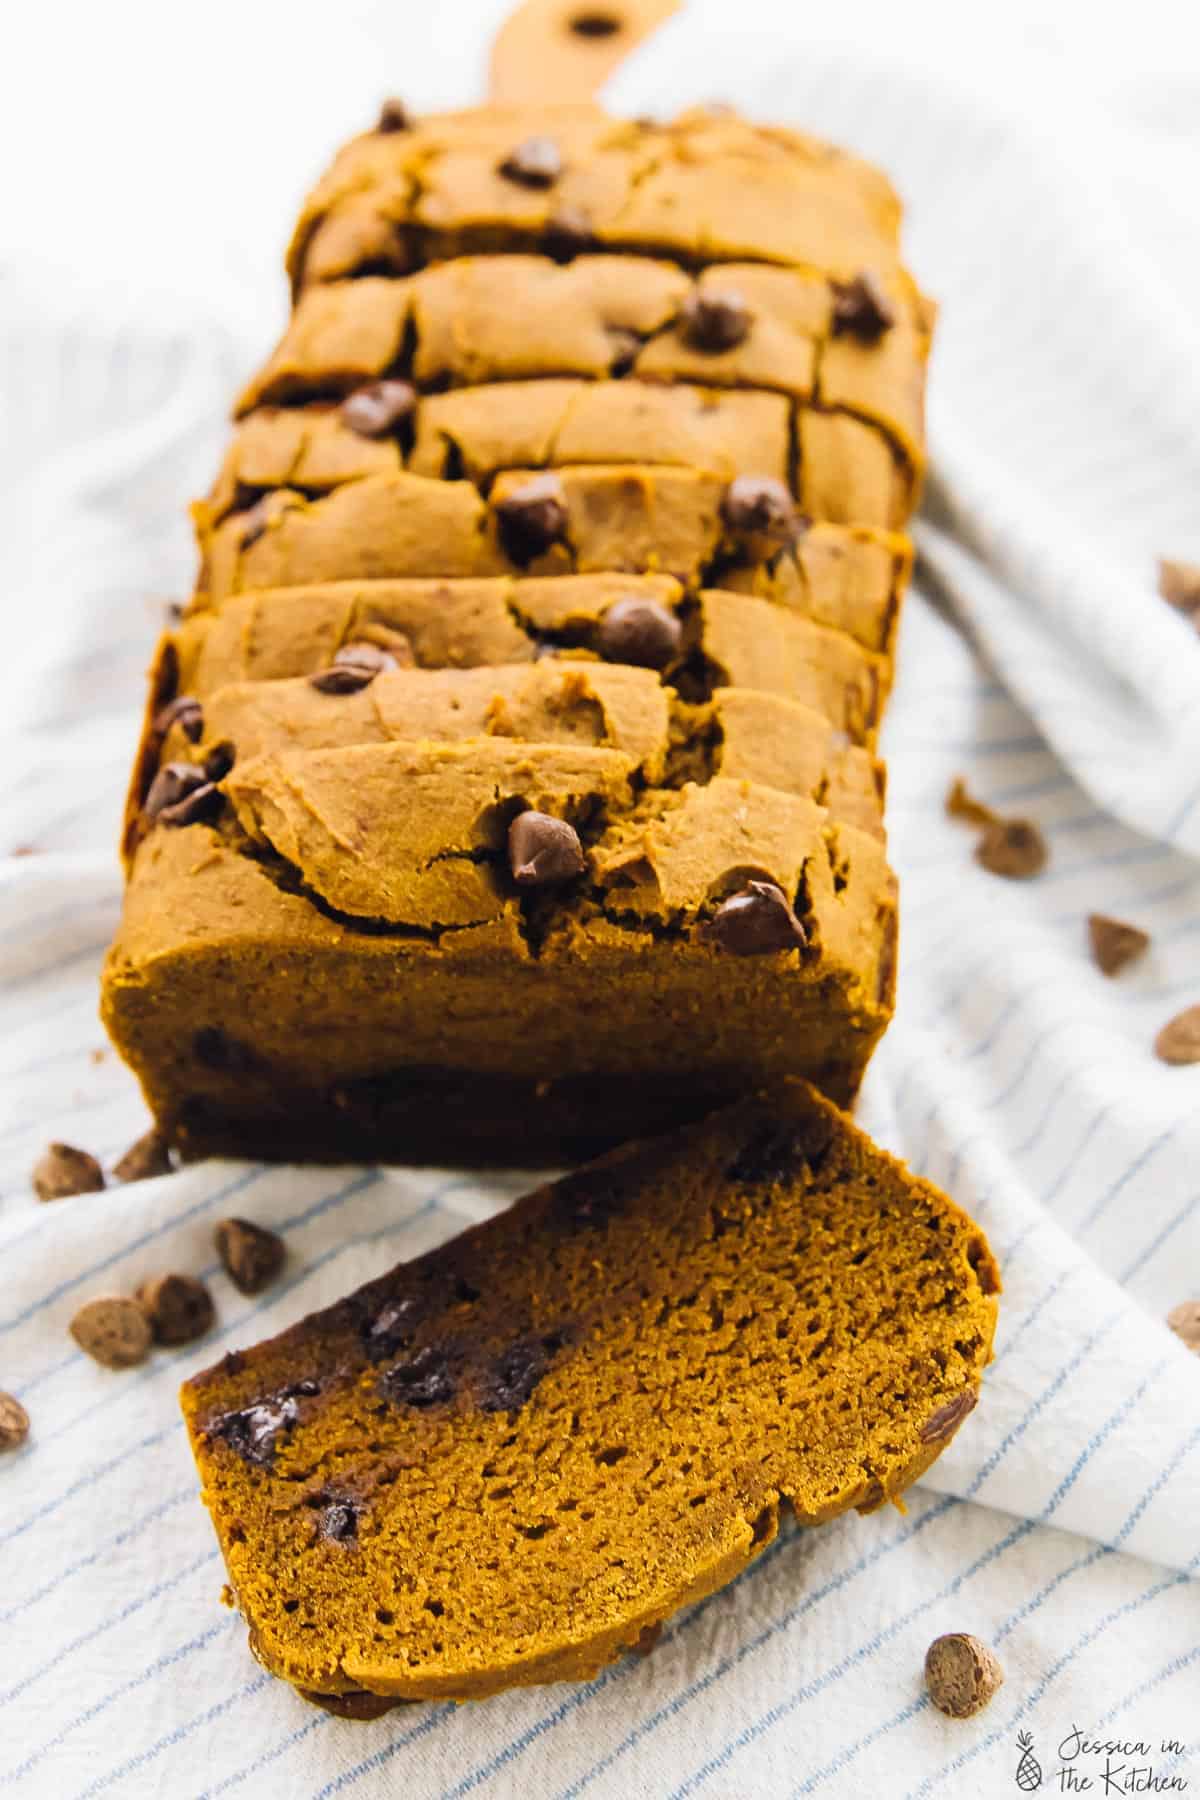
{"points": [[375, 411], [715, 319], [251, 1256], [14, 1422], [760, 510], [183, 711], [113, 1330], [393, 116], [941, 1426], [62, 1170], [961, 1674], [532, 518], [179, 1307], [536, 162], [354, 667], [756, 921], [641, 632], [543, 850], [862, 308]]}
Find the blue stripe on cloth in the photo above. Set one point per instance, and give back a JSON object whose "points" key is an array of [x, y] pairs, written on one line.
{"points": [[1139, 1163], [1155, 1245], [268, 1756], [253, 1686], [101, 1550], [384, 1756]]}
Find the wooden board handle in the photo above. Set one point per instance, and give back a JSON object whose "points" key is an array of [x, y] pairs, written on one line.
{"points": [[567, 49]]}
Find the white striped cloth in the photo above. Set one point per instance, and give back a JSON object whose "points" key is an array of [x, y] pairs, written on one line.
{"points": [[1062, 1526]]}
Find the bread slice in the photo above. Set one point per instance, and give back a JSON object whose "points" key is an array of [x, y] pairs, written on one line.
{"points": [[507, 1461]]}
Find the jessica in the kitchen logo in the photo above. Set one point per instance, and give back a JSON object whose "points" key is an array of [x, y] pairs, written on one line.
{"points": [[1093, 1765]]}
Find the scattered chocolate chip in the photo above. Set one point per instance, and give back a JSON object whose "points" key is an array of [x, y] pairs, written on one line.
{"points": [[394, 116], [14, 1422], [353, 668], [1014, 848], [862, 308], [1184, 1321], [339, 1522], [253, 1432], [61, 1171], [375, 411], [219, 761], [961, 804], [941, 1426], [1179, 1040], [778, 1151], [113, 1330], [640, 632], [181, 794], [532, 517], [535, 163], [568, 234], [217, 1050], [251, 1256], [144, 1160], [179, 1307], [715, 319], [543, 850], [357, 1703], [1114, 944], [755, 921], [961, 1674], [185, 712], [760, 510], [1179, 585], [424, 1380], [509, 1384]]}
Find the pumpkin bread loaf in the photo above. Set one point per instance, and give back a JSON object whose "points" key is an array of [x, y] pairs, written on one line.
{"points": [[508, 1461], [508, 785]]}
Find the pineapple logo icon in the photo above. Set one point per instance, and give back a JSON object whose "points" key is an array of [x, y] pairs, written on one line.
{"points": [[1029, 1769]]}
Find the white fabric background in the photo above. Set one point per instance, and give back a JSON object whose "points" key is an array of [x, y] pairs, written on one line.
{"points": [[1051, 161]]}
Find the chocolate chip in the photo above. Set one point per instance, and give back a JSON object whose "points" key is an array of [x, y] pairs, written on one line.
{"points": [[624, 348], [353, 668], [253, 1432], [145, 1160], [251, 1256], [1184, 1321], [397, 644], [1014, 848], [715, 319], [113, 1330], [375, 411], [532, 517], [961, 804], [1114, 944], [179, 1307], [357, 1703], [568, 234], [510, 1382], [961, 1674], [755, 921], [61, 1171], [181, 794], [1179, 1040], [862, 308], [640, 632], [339, 1522], [185, 712], [424, 1380], [535, 163], [780, 1150], [1179, 585], [394, 116], [217, 1050], [760, 510], [14, 1422], [543, 850], [392, 1327], [219, 760], [647, 1640], [941, 1426]]}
